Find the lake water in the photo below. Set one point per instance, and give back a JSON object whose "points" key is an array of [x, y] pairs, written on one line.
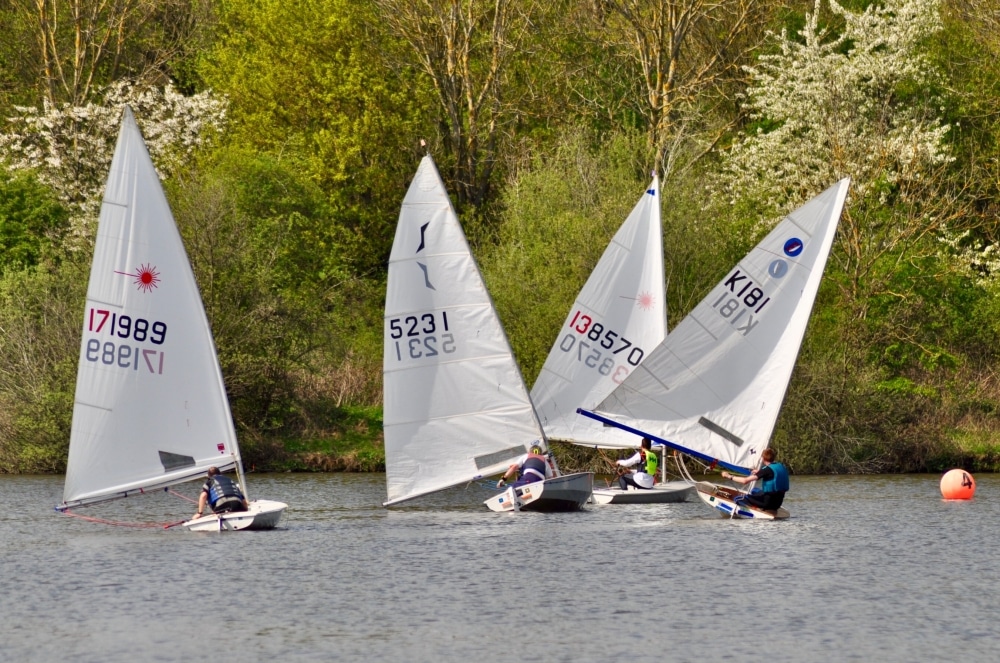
{"points": [[875, 568]]}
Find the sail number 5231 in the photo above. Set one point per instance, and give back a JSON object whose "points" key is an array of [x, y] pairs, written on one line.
{"points": [[421, 336]]}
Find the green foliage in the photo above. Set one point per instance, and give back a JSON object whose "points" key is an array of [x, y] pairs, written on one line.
{"points": [[560, 212], [31, 220], [289, 217], [351, 441], [311, 82], [257, 234], [40, 313]]}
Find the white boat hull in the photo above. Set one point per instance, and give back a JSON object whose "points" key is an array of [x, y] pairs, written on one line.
{"points": [[661, 493], [722, 499], [262, 514], [566, 493]]}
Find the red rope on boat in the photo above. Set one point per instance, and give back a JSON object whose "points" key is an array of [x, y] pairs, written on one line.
{"points": [[116, 523], [119, 523], [183, 497]]}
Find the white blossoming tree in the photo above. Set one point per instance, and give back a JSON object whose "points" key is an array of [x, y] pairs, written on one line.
{"points": [[70, 147], [857, 101], [861, 97], [835, 109]]}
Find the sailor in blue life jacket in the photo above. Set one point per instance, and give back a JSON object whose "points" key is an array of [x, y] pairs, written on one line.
{"points": [[221, 493], [531, 467], [774, 478], [645, 476]]}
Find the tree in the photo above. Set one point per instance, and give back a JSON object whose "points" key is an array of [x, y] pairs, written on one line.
{"points": [[78, 47], [469, 50], [70, 147], [859, 102], [860, 97], [685, 58], [308, 84], [31, 220]]}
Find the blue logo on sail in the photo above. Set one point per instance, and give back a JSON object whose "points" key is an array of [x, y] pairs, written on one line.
{"points": [[793, 247]]}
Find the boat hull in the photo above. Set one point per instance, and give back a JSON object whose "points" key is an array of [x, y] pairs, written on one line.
{"points": [[661, 493], [722, 499], [565, 493], [262, 514]]}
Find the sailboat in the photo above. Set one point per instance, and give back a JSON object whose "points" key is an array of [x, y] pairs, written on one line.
{"points": [[619, 316], [713, 389], [456, 408], [150, 409]]}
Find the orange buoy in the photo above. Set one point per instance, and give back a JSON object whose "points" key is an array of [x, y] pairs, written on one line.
{"points": [[957, 485]]}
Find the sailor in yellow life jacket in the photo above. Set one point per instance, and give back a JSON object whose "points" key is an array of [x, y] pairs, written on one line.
{"points": [[645, 476]]}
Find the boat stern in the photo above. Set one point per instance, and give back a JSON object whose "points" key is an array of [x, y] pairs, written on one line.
{"points": [[262, 515]]}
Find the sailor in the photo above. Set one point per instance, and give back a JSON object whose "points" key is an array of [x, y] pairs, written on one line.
{"points": [[774, 478], [221, 493], [531, 467], [645, 476]]}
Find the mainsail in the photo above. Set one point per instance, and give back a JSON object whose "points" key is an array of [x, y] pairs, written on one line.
{"points": [[619, 316], [150, 407], [455, 405], [715, 386]]}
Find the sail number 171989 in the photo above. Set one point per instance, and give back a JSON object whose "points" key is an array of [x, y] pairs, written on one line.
{"points": [[125, 331]]}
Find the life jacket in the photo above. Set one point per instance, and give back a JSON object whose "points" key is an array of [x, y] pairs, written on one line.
{"points": [[779, 482], [533, 467], [223, 490], [652, 461]]}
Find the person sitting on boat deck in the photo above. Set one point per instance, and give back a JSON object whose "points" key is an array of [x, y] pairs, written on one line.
{"points": [[531, 467], [221, 493], [645, 476], [775, 483]]}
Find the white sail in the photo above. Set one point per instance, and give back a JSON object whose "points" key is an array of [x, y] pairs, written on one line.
{"points": [[150, 407], [715, 386], [455, 405], [618, 317]]}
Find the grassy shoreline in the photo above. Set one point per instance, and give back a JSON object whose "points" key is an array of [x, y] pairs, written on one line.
{"points": [[356, 445], [352, 441]]}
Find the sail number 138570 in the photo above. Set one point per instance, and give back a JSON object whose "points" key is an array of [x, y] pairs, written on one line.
{"points": [[604, 350]]}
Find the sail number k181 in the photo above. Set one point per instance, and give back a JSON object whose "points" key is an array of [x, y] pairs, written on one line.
{"points": [[421, 336], [740, 301]]}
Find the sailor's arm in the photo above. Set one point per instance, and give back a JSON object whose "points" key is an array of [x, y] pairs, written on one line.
{"points": [[741, 480], [629, 462], [511, 471]]}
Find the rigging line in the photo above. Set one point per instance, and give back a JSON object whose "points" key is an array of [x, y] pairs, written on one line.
{"points": [[614, 466], [116, 523], [183, 497]]}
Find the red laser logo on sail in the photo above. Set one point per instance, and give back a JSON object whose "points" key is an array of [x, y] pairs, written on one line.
{"points": [[146, 277], [645, 301]]}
